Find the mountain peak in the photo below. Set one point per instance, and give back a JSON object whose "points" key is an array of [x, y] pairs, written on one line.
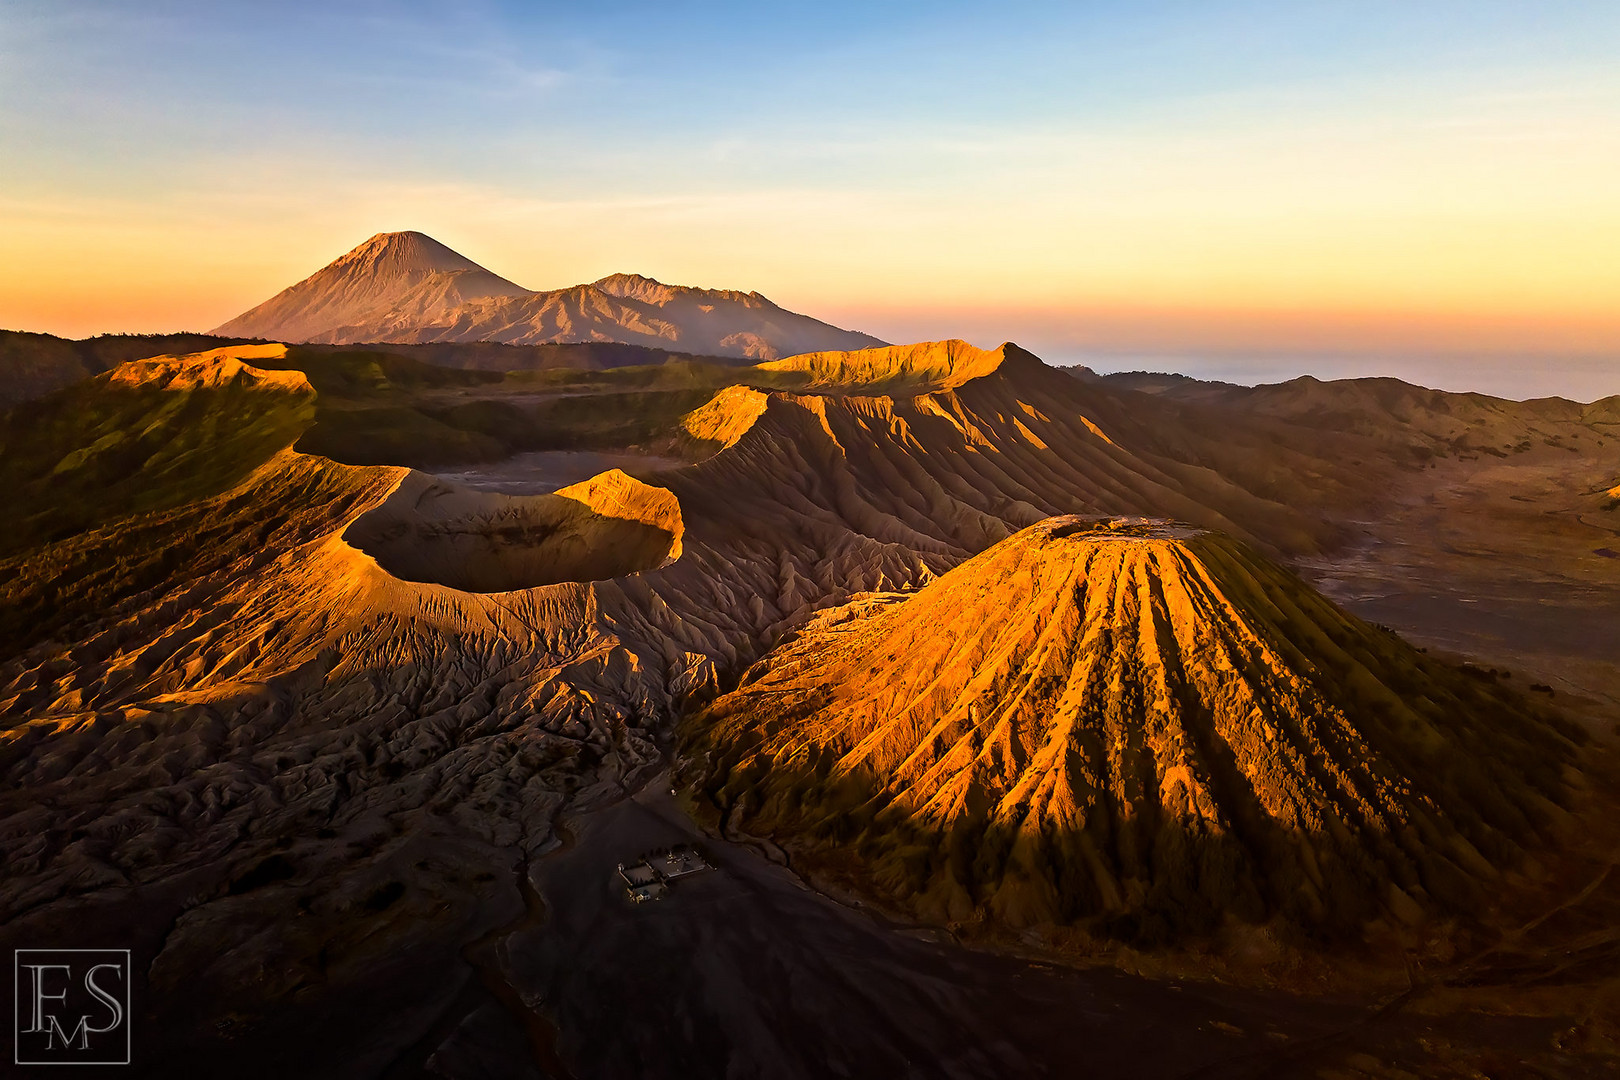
{"points": [[613, 282], [405, 252], [636, 287], [366, 283], [652, 291]]}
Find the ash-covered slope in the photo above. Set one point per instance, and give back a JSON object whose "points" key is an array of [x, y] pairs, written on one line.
{"points": [[406, 288], [946, 449], [1138, 726]]}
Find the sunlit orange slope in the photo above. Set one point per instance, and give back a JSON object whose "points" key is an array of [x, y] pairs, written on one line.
{"points": [[1138, 726]]}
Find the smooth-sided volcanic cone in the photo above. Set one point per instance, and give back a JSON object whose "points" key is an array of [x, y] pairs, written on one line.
{"points": [[1138, 724], [397, 275]]}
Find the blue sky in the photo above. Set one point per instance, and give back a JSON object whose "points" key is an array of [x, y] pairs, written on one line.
{"points": [[424, 80], [1076, 174]]}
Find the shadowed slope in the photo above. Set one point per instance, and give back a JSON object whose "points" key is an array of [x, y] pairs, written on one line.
{"points": [[34, 365], [1376, 417], [977, 445], [1139, 724]]}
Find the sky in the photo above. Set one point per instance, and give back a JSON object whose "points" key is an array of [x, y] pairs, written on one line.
{"points": [[1423, 188]]}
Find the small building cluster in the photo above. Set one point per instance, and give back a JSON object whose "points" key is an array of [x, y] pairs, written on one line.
{"points": [[650, 877]]}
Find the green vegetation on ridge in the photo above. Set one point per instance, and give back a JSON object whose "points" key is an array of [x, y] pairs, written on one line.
{"points": [[378, 408], [101, 449]]}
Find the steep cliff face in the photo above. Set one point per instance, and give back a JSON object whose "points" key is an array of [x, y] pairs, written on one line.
{"points": [[147, 435], [1138, 726]]}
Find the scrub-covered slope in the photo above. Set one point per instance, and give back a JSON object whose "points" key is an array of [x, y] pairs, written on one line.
{"points": [[145, 436]]}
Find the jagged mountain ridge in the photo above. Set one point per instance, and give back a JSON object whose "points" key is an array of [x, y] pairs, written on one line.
{"points": [[406, 288], [1139, 726]]}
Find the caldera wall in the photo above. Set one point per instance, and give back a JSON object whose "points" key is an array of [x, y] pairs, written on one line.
{"points": [[606, 527]]}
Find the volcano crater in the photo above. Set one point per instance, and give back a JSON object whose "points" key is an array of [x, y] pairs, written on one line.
{"points": [[431, 532]]}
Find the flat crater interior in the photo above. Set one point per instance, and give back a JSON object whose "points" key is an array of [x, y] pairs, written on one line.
{"points": [[434, 533]]}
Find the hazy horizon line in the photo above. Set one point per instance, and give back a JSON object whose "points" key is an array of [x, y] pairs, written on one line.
{"points": [[1582, 377]]}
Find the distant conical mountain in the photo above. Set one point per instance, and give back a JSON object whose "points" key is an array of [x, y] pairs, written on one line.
{"points": [[387, 277], [1138, 726], [407, 288]]}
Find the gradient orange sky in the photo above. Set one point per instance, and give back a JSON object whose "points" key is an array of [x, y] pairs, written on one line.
{"points": [[1379, 178]]}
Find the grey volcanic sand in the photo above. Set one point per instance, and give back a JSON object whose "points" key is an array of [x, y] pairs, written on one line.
{"points": [[544, 471], [1498, 561], [745, 972]]}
